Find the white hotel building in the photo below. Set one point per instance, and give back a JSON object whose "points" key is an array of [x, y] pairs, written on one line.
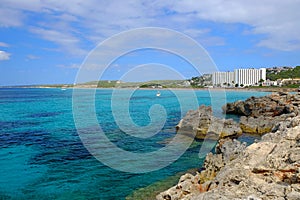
{"points": [[223, 78], [244, 77]]}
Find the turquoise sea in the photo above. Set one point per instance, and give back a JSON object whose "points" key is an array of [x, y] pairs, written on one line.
{"points": [[42, 156]]}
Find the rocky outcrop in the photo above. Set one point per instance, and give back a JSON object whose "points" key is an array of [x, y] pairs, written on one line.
{"points": [[261, 114], [270, 106], [203, 124], [260, 125], [190, 185], [268, 169]]}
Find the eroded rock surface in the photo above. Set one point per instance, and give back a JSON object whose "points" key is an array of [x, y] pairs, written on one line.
{"points": [[190, 185], [267, 169], [261, 114], [272, 105], [203, 124]]}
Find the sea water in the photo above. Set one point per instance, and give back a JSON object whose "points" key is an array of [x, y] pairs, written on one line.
{"points": [[42, 156]]}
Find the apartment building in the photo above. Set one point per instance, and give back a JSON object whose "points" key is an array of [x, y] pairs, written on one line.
{"points": [[244, 77]]}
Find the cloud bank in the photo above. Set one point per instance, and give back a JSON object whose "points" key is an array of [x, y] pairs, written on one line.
{"points": [[68, 24]]}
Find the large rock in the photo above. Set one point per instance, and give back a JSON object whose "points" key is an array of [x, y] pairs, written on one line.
{"points": [[259, 115], [268, 169], [263, 124], [203, 124], [262, 114], [270, 106], [260, 125], [229, 149]]}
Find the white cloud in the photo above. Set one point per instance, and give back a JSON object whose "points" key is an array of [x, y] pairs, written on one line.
{"points": [[3, 44], [67, 23], [32, 57], [196, 32], [71, 66], [10, 17], [4, 55], [67, 41], [275, 19], [203, 36]]}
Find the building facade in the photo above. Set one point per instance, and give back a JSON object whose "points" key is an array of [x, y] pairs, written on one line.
{"points": [[248, 77], [222, 79], [242, 77]]}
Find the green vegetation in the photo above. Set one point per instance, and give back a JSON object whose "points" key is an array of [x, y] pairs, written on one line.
{"points": [[99, 84], [148, 84], [201, 81], [290, 73], [59, 85], [293, 86], [106, 84], [151, 85]]}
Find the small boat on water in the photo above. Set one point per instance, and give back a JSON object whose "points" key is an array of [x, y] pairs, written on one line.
{"points": [[158, 94]]}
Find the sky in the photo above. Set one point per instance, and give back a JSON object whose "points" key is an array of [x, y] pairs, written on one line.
{"points": [[47, 42]]}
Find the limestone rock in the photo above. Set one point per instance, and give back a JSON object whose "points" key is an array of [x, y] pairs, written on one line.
{"points": [[203, 124], [268, 169], [263, 114], [187, 186], [230, 149], [272, 105], [190, 186]]}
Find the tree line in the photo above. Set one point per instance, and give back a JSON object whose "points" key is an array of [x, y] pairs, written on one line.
{"points": [[290, 73]]}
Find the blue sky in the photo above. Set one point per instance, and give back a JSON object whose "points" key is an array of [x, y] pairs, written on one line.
{"points": [[47, 41]]}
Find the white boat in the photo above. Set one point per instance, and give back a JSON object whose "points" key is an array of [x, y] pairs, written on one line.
{"points": [[158, 94]]}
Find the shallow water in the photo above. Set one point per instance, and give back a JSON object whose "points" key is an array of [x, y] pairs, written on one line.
{"points": [[42, 156]]}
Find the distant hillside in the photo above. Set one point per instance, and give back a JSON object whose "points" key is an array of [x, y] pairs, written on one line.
{"points": [[116, 84], [148, 84], [290, 73]]}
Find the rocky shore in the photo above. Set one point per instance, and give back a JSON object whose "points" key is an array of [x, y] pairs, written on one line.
{"points": [[261, 115], [267, 169]]}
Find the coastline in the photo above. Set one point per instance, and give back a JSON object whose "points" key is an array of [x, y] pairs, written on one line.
{"points": [[234, 170], [149, 192], [260, 89]]}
